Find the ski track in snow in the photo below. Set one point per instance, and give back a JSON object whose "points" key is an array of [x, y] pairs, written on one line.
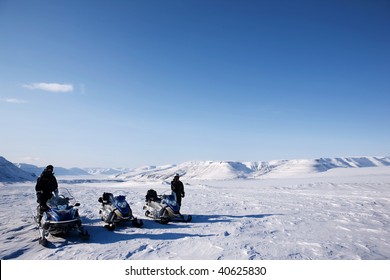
{"points": [[336, 215]]}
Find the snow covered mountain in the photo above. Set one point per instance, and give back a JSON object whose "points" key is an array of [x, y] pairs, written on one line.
{"points": [[227, 170], [106, 171], [75, 171], [57, 170], [211, 170], [11, 173]]}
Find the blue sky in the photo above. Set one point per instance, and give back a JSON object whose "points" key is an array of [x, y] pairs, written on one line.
{"points": [[132, 83]]}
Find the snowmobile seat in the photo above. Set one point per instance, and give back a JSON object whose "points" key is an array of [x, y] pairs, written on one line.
{"points": [[151, 195], [121, 197], [106, 198]]}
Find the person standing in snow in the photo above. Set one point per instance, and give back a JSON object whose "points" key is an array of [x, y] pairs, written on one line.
{"points": [[45, 187], [178, 188]]}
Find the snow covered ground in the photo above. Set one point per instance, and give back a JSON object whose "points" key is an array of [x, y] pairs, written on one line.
{"points": [[343, 213]]}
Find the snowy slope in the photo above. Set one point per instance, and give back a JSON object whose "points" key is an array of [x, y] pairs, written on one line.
{"points": [[106, 171], [221, 170], [75, 171], [59, 171], [11, 173], [227, 170], [343, 213]]}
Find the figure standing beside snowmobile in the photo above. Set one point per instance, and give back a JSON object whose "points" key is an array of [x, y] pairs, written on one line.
{"points": [[177, 187], [45, 187]]}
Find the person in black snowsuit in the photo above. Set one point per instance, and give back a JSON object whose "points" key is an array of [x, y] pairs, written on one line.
{"points": [[45, 187], [178, 188]]}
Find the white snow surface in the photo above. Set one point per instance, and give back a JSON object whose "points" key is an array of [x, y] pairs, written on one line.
{"points": [[341, 213]]}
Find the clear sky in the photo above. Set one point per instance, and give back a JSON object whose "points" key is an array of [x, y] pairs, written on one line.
{"points": [[127, 83]]}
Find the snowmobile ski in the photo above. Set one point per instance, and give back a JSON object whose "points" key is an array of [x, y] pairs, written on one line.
{"points": [[42, 236]]}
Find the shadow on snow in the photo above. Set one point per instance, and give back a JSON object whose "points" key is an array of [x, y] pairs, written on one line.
{"points": [[227, 218], [125, 232]]}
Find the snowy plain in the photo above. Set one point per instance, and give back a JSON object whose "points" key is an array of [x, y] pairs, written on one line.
{"points": [[339, 214]]}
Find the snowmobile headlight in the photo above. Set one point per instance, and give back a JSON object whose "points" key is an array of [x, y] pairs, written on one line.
{"points": [[122, 204]]}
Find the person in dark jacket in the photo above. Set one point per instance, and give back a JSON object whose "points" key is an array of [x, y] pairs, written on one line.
{"points": [[178, 188], [45, 187]]}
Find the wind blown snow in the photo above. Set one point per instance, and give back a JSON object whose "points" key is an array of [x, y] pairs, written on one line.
{"points": [[343, 213]]}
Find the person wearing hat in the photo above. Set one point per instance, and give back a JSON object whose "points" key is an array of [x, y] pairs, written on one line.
{"points": [[178, 188], [45, 187]]}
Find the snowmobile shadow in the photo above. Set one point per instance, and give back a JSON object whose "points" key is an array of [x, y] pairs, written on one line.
{"points": [[90, 221], [168, 236], [123, 232], [227, 218], [100, 235], [55, 242], [151, 224]]}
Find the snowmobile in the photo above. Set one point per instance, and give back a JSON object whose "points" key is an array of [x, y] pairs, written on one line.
{"points": [[115, 210], [163, 208], [59, 218]]}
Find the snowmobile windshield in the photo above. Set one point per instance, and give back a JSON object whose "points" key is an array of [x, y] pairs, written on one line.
{"points": [[60, 202], [170, 200], [120, 198]]}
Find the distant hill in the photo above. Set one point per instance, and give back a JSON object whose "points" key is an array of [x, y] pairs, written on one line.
{"points": [[226, 170], [106, 171], [57, 170], [11, 173], [202, 170]]}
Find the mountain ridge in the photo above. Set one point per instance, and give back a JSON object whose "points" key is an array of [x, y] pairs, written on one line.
{"points": [[9, 172], [227, 170], [203, 170]]}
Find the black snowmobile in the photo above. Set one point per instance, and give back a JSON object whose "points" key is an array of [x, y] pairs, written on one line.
{"points": [[59, 218], [163, 208], [115, 210]]}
